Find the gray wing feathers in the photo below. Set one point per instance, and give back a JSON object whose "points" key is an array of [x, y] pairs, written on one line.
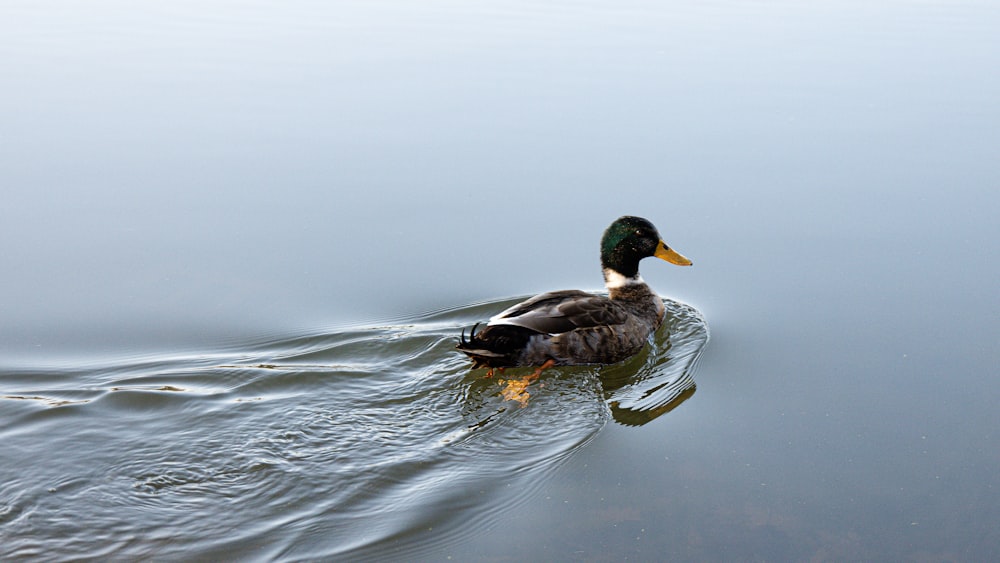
{"points": [[562, 311]]}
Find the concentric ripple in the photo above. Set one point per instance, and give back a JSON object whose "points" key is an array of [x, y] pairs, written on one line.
{"points": [[365, 442]]}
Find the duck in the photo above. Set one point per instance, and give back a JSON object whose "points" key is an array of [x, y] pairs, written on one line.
{"points": [[573, 327]]}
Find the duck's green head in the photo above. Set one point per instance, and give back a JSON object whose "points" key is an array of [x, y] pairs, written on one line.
{"points": [[630, 239]]}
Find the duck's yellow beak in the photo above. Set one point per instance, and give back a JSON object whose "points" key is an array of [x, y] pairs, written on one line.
{"points": [[664, 252]]}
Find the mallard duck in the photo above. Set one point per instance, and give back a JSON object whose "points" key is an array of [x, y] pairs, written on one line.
{"points": [[573, 327]]}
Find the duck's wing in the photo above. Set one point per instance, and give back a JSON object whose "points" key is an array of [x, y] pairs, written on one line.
{"points": [[562, 311]]}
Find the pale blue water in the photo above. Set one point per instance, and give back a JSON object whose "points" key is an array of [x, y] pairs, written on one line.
{"points": [[188, 187], [358, 442]]}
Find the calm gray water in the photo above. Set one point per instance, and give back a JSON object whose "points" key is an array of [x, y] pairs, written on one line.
{"points": [[353, 443], [239, 241]]}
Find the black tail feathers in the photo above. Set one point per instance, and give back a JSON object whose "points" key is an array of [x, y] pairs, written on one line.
{"points": [[463, 343], [495, 345]]}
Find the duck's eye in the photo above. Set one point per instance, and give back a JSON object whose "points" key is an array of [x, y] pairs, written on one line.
{"points": [[638, 232]]}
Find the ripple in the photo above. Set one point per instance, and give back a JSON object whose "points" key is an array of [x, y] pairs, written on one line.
{"points": [[358, 442]]}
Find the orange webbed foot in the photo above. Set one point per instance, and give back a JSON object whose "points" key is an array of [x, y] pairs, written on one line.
{"points": [[517, 390]]}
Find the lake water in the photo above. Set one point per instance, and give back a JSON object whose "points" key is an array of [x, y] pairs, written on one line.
{"points": [[239, 242]]}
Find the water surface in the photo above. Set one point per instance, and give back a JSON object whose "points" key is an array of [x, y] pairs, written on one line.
{"points": [[208, 206], [371, 441]]}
